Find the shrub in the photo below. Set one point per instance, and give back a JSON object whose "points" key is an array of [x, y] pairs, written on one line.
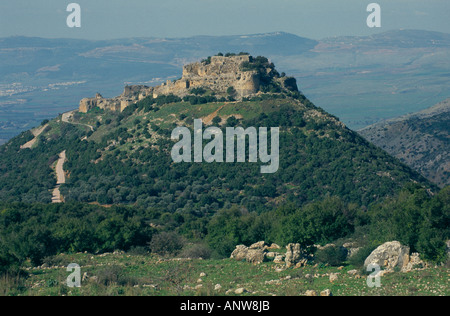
{"points": [[357, 260], [198, 91], [109, 275], [232, 121], [138, 251], [114, 275], [333, 255], [166, 243], [217, 120], [231, 92], [196, 251]]}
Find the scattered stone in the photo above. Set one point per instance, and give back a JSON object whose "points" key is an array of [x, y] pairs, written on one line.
{"points": [[279, 259], [349, 245], [271, 282], [353, 272], [334, 277], [310, 293], [240, 291], [198, 287], [413, 262], [217, 287], [319, 247], [326, 292], [202, 275], [271, 255], [352, 248], [199, 280], [301, 263]]}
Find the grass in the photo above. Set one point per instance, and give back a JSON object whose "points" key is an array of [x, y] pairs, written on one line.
{"points": [[122, 274]]}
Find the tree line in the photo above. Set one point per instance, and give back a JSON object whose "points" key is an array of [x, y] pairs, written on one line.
{"points": [[36, 231]]}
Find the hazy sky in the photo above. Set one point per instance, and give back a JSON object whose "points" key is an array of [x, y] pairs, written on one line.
{"points": [[108, 19]]}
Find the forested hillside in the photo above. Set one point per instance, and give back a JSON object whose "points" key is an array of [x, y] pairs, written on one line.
{"points": [[126, 159]]}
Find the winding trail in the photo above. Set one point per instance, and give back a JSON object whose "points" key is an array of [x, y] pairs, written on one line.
{"points": [[60, 175], [208, 120], [36, 132], [66, 116], [61, 178]]}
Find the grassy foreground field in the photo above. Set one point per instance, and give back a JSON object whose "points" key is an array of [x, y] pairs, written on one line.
{"points": [[121, 274]]}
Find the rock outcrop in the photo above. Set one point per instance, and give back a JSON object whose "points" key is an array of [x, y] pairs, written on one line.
{"points": [[413, 262], [217, 73], [240, 253], [389, 255], [255, 254], [294, 255]]}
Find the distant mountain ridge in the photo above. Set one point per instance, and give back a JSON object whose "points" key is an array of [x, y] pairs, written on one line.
{"points": [[380, 76], [441, 107], [396, 38]]}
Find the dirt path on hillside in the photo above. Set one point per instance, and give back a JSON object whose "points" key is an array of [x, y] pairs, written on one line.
{"points": [[61, 178], [36, 132], [60, 174], [208, 120], [66, 116]]}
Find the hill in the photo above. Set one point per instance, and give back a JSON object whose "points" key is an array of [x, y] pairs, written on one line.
{"points": [[421, 140], [122, 155]]}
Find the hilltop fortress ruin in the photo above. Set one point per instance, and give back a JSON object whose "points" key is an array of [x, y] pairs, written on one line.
{"points": [[243, 73]]}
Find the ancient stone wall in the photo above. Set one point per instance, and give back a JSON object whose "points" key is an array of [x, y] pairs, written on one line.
{"points": [[218, 74]]}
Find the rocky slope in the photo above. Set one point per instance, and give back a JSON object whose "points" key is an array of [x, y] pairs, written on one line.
{"points": [[421, 140]]}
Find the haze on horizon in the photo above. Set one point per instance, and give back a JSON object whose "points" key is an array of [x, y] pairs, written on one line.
{"points": [[112, 19]]}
